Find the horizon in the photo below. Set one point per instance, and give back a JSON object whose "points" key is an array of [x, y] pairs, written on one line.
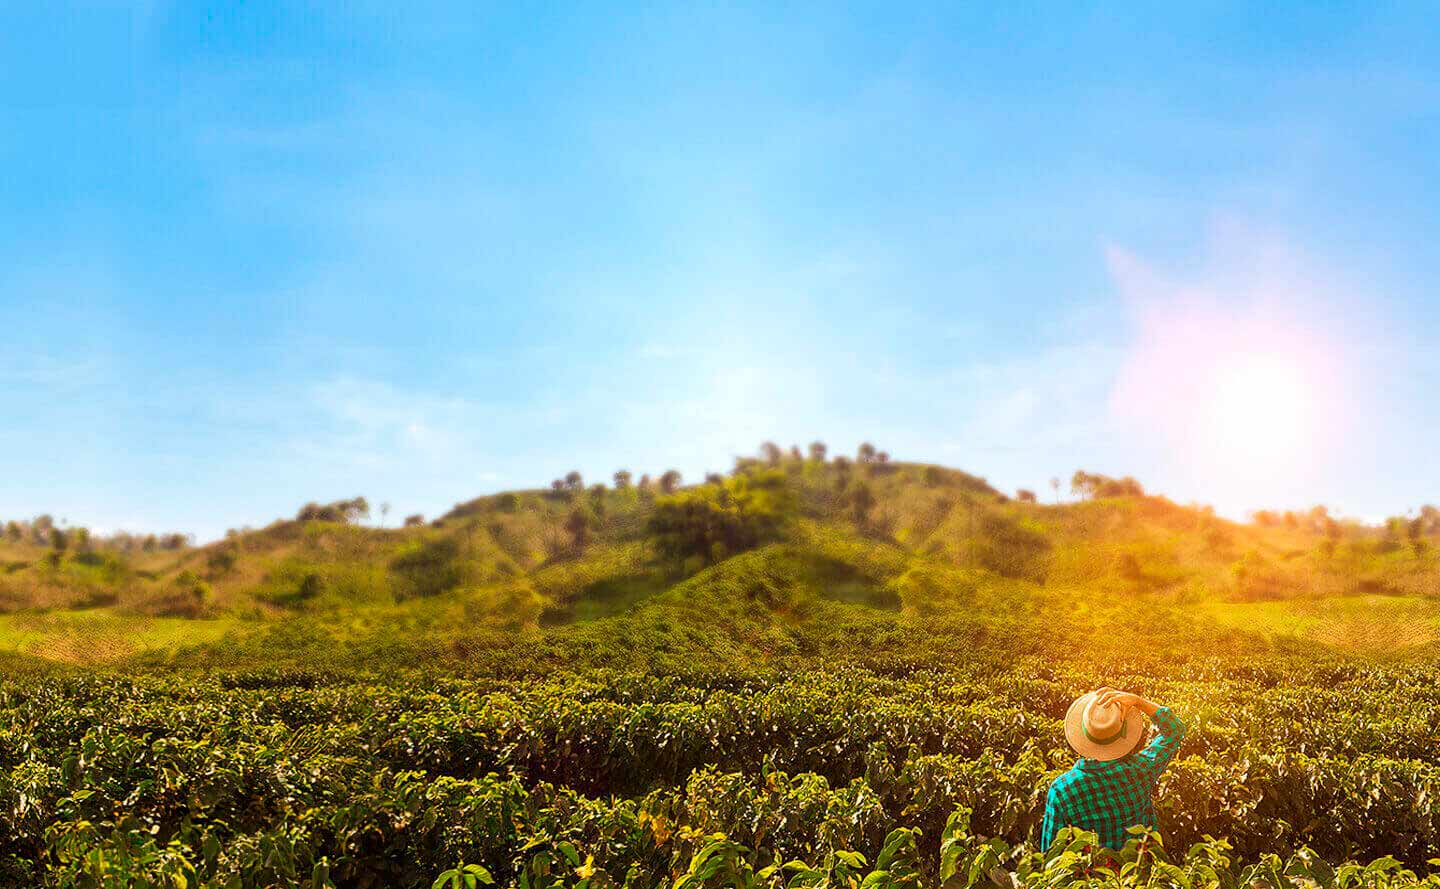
{"points": [[389, 518], [255, 257]]}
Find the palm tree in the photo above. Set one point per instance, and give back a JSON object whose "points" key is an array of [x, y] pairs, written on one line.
{"points": [[865, 453], [818, 451]]}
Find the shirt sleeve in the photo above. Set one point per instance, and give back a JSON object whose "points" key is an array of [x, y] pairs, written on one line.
{"points": [[1054, 820], [1169, 732]]}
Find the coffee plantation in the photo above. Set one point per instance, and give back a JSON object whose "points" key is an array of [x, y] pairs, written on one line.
{"points": [[608, 777], [767, 680]]}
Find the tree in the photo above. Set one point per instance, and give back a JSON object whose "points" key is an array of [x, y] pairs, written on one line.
{"points": [[882, 457], [865, 453], [557, 488], [714, 478], [644, 483], [573, 480], [1055, 487], [414, 521], [622, 479], [1333, 531], [669, 481], [714, 522], [384, 512], [82, 540], [795, 453], [221, 560], [771, 453], [862, 500], [1416, 532], [40, 528], [13, 532], [1394, 530], [355, 510], [59, 540], [578, 524], [1024, 495], [342, 511], [1091, 486], [818, 451], [746, 464]]}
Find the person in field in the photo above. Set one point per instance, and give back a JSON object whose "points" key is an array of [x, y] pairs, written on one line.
{"points": [[1110, 787]]}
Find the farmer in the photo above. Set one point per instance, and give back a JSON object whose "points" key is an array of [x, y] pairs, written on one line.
{"points": [[1110, 787]]}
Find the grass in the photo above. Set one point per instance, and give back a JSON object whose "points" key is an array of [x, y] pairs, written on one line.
{"points": [[102, 635], [1361, 623]]}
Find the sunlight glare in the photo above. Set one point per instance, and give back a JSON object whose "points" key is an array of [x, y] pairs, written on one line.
{"points": [[1259, 412]]}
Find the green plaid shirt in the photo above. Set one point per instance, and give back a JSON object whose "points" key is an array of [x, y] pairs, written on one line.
{"points": [[1108, 797]]}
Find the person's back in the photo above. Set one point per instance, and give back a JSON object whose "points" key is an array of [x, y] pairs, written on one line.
{"points": [[1111, 787]]}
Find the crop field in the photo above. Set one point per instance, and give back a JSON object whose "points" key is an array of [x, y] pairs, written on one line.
{"points": [[802, 675], [315, 777]]}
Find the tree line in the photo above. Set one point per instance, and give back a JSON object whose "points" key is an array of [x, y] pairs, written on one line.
{"points": [[43, 530]]}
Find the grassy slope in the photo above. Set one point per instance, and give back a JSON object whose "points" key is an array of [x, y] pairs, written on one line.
{"points": [[940, 556]]}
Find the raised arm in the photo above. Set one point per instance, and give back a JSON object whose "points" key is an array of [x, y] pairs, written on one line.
{"points": [[1169, 729]]}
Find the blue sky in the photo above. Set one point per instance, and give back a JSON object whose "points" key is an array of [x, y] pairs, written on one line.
{"points": [[254, 254]]}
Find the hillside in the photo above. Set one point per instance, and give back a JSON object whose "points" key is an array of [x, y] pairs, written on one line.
{"points": [[807, 673], [764, 553]]}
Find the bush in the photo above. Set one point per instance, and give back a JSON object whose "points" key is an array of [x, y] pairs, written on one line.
{"points": [[713, 522]]}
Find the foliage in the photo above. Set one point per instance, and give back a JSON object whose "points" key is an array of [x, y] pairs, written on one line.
{"points": [[715, 521]]}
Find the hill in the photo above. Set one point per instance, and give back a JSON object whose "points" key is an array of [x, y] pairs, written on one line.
{"points": [[776, 554], [809, 672]]}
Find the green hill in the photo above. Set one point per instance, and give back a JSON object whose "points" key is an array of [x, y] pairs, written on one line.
{"points": [[765, 562], [806, 673]]}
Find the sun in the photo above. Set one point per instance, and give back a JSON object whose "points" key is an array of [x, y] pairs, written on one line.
{"points": [[1259, 414]]}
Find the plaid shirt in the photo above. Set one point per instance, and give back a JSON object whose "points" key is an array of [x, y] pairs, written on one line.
{"points": [[1108, 797]]}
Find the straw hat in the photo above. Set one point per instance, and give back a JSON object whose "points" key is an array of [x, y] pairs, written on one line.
{"points": [[1102, 732]]}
